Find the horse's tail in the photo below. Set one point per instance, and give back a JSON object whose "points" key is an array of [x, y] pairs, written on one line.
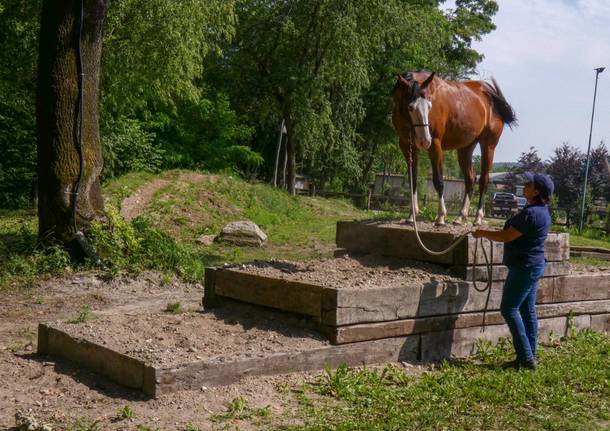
{"points": [[501, 106]]}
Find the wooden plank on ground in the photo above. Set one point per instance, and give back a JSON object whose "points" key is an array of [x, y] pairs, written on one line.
{"points": [[464, 342], [298, 297], [579, 287], [224, 371], [116, 366], [499, 272], [601, 322], [396, 328]]}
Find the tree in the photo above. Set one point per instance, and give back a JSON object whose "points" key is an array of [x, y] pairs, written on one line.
{"points": [[57, 115], [529, 161], [565, 167], [598, 177]]}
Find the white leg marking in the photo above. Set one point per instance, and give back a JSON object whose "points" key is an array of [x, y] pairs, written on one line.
{"points": [[413, 217], [479, 220], [441, 213], [464, 212]]}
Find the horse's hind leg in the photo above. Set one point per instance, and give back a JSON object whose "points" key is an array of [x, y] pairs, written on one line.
{"points": [[488, 146], [465, 161]]}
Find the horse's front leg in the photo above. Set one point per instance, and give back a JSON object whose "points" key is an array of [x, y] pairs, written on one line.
{"points": [[436, 157], [413, 179]]}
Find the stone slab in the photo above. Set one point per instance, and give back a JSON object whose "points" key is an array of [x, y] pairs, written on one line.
{"points": [[380, 237]]}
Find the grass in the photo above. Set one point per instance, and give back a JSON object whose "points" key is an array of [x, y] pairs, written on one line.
{"points": [[188, 206], [165, 236], [569, 391], [174, 308]]}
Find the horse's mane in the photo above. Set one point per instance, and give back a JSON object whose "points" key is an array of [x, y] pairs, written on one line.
{"points": [[501, 106]]}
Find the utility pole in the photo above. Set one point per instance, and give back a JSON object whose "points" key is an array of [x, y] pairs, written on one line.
{"points": [[281, 133], [584, 189]]}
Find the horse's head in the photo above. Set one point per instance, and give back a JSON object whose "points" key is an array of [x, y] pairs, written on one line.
{"points": [[414, 97]]}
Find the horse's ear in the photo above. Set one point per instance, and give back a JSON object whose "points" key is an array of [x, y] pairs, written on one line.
{"points": [[427, 81], [403, 80]]}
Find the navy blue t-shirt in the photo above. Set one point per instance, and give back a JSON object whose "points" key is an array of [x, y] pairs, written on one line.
{"points": [[534, 222]]}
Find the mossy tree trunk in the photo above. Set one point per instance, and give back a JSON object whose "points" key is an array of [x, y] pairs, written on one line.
{"points": [[57, 115]]}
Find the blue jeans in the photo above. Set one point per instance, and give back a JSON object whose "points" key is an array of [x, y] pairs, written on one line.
{"points": [[518, 308]]}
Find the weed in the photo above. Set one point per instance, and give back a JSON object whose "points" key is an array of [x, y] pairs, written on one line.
{"points": [[191, 427], [174, 308], [126, 413], [239, 409], [84, 315], [82, 425], [146, 428], [469, 394]]}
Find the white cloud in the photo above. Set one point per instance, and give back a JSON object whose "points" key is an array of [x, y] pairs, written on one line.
{"points": [[543, 53]]}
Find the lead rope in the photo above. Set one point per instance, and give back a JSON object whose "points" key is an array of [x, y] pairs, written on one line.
{"points": [[488, 262]]}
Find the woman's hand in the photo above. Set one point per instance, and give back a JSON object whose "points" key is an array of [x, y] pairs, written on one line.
{"points": [[479, 233]]}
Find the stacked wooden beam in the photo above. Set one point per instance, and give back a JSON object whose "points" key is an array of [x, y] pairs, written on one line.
{"points": [[436, 311]]}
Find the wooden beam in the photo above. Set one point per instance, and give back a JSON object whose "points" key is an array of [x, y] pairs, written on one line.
{"points": [[396, 328], [295, 296]]}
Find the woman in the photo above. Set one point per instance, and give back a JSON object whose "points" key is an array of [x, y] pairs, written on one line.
{"points": [[523, 237]]}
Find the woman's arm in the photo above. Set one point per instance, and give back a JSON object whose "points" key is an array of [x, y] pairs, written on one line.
{"points": [[507, 235]]}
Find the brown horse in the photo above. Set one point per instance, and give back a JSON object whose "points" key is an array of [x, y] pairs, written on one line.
{"points": [[437, 115]]}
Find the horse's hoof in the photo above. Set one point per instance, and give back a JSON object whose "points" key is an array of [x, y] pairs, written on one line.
{"points": [[458, 222], [439, 223]]}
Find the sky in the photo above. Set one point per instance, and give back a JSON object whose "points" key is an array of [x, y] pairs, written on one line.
{"points": [[543, 54]]}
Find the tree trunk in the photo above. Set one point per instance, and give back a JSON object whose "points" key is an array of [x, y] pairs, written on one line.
{"points": [[57, 115]]}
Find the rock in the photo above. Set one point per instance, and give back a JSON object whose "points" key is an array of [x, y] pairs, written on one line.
{"points": [[206, 239], [243, 232]]}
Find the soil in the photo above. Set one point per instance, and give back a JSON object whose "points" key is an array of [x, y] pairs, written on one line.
{"points": [[135, 204], [424, 226], [59, 392], [351, 272], [163, 339]]}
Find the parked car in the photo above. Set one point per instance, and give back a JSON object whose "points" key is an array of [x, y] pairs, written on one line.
{"points": [[521, 202], [504, 204]]}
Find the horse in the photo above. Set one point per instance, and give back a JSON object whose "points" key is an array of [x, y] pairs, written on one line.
{"points": [[437, 115]]}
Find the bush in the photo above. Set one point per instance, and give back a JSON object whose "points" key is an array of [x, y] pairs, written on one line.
{"points": [[128, 146]]}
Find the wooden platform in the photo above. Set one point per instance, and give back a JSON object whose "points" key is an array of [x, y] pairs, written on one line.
{"points": [[395, 240], [430, 306], [223, 370]]}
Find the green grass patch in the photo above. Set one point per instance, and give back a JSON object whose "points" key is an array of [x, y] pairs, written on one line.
{"points": [[174, 308], [570, 390]]}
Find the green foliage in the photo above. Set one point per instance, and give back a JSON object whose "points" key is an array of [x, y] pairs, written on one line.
{"points": [[470, 394], [21, 257], [84, 315], [126, 413], [137, 246], [209, 135], [19, 22], [127, 146], [239, 409], [154, 51], [174, 308]]}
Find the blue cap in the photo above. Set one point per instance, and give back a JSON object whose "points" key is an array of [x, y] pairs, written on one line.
{"points": [[543, 183]]}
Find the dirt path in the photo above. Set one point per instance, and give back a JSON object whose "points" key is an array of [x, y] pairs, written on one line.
{"points": [[135, 204]]}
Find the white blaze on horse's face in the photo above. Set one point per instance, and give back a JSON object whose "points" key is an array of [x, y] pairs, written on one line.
{"points": [[418, 111]]}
